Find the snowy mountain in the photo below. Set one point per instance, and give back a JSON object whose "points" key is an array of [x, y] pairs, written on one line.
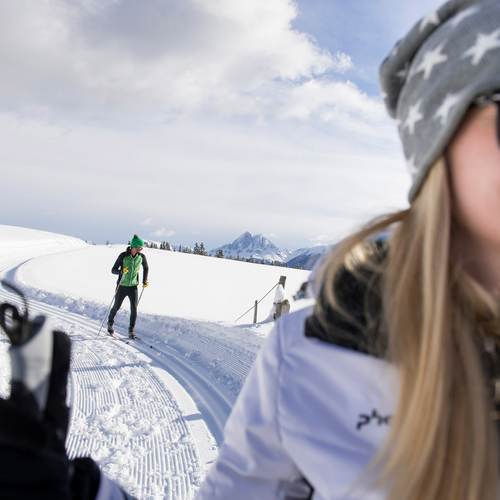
{"points": [[258, 247], [306, 258]]}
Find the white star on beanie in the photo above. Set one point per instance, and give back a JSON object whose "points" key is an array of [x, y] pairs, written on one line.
{"points": [[444, 110], [431, 58], [484, 43], [414, 116]]}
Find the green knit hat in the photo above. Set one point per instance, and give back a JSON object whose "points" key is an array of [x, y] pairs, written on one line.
{"points": [[136, 242]]}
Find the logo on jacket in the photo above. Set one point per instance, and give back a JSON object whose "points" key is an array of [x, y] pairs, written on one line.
{"points": [[365, 419]]}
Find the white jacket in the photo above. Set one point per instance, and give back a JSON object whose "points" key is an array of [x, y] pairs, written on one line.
{"points": [[310, 410]]}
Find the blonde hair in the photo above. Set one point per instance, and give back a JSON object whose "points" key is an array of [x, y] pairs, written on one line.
{"points": [[443, 443]]}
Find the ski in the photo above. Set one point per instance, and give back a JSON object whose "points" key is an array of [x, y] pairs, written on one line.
{"points": [[137, 339], [128, 340]]}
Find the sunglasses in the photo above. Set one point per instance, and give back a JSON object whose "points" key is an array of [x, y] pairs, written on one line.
{"points": [[485, 100]]}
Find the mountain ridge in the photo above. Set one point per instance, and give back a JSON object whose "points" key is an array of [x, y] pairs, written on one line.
{"points": [[260, 248]]}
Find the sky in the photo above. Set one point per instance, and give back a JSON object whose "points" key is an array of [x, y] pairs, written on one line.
{"points": [[197, 120]]}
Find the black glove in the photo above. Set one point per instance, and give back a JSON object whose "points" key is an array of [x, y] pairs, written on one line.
{"points": [[34, 420]]}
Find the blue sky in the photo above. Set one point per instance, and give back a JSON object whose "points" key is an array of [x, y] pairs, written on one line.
{"points": [[197, 121], [366, 30]]}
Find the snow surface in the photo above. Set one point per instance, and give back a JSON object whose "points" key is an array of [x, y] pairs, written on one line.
{"points": [[182, 285], [152, 412], [19, 243]]}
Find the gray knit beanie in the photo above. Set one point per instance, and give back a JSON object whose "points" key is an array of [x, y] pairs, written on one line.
{"points": [[432, 76]]}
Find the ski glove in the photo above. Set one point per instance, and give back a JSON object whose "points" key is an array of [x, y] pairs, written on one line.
{"points": [[145, 284], [125, 270], [34, 419]]}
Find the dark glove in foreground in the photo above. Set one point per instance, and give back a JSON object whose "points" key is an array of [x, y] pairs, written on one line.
{"points": [[33, 459]]}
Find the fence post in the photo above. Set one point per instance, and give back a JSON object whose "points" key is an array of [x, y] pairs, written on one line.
{"points": [[282, 281], [255, 312]]}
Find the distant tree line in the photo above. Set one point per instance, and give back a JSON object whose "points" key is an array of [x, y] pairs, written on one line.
{"points": [[159, 245], [199, 248], [253, 260]]}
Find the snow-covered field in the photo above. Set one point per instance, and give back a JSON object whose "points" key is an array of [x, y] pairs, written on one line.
{"points": [[18, 244], [151, 413], [183, 285]]}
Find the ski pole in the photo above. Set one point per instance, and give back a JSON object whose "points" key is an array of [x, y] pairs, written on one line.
{"points": [[142, 291], [109, 309]]}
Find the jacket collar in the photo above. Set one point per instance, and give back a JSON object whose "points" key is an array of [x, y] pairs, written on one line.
{"points": [[358, 293]]}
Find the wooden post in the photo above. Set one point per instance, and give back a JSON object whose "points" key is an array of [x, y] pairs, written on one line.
{"points": [[255, 312], [282, 281]]}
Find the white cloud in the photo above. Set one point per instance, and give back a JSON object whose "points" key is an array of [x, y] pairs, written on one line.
{"points": [[271, 236], [148, 221], [163, 232], [337, 103], [322, 239], [123, 56], [126, 63], [293, 182], [342, 62]]}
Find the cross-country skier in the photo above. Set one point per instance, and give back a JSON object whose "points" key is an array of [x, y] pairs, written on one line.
{"points": [[127, 267]]}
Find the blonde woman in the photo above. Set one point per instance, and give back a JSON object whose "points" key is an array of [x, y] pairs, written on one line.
{"points": [[387, 388]]}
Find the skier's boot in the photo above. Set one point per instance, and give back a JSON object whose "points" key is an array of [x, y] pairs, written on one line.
{"points": [[131, 334], [110, 329]]}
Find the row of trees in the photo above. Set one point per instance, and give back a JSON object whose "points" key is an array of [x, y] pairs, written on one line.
{"points": [[199, 248], [162, 245], [253, 260]]}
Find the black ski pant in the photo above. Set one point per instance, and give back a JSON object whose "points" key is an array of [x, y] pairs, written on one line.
{"points": [[122, 292]]}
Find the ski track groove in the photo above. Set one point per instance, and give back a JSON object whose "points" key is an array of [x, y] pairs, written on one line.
{"points": [[149, 449]]}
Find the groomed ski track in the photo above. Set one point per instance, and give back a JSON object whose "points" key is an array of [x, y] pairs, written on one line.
{"points": [[146, 414]]}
